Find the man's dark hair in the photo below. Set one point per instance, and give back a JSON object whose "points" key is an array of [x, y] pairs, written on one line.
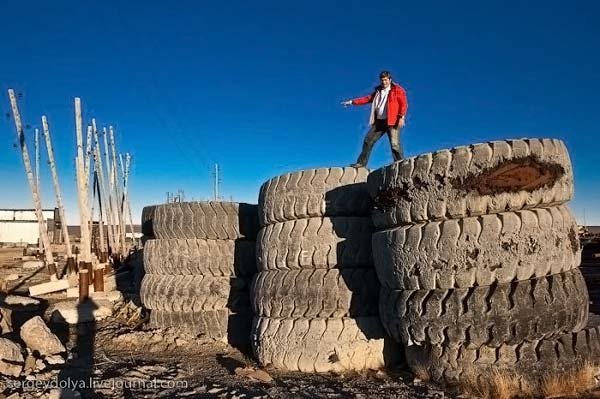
{"points": [[385, 74]]}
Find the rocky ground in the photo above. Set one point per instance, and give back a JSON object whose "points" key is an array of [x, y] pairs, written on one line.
{"points": [[118, 357]]}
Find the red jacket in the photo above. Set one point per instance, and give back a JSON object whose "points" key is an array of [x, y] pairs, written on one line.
{"points": [[396, 107]]}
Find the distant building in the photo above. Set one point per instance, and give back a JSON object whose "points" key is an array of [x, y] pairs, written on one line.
{"points": [[594, 230], [75, 231], [20, 226]]}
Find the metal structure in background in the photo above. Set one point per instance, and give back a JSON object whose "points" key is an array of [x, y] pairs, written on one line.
{"points": [[217, 182]]}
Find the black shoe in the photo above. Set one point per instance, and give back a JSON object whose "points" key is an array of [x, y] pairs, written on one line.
{"points": [[357, 165]]}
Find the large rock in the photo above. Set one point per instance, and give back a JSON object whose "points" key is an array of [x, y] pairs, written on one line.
{"points": [[17, 302], [38, 337], [33, 264], [72, 312], [60, 393], [11, 359], [5, 320]]}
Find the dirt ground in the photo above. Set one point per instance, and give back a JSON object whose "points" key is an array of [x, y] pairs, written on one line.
{"points": [[120, 358]]}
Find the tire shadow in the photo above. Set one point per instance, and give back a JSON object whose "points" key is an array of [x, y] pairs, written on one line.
{"points": [[355, 249], [239, 324], [129, 284]]}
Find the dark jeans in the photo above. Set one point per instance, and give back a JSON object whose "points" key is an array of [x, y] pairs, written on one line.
{"points": [[379, 128]]}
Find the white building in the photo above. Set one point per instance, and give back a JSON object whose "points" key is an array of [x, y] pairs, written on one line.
{"points": [[20, 226]]}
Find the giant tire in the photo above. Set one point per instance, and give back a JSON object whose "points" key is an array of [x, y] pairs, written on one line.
{"points": [[206, 220], [314, 193], [316, 243], [194, 293], [200, 257], [321, 344], [492, 316], [477, 251], [472, 180], [220, 324], [315, 293], [527, 361]]}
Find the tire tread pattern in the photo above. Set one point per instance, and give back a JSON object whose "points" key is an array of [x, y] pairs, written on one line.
{"points": [[314, 193], [315, 293], [206, 220], [200, 257], [320, 344], [193, 293], [427, 182], [492, 316], [220, 324], [529, 360], [316, 243], [478, 251]]}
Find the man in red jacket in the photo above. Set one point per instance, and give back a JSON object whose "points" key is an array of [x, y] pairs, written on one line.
{"points": [[388, 109]]}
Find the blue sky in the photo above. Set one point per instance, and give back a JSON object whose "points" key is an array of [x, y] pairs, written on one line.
{"points": [[256, 86]]}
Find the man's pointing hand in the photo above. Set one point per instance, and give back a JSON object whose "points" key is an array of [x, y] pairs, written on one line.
{"points": [[347, 103]]}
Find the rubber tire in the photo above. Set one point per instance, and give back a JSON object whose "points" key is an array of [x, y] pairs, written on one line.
{"points": [[148, 220], [444, 184], [206, 220], [492, 316], [528, 361], [316, 243], [194, 293], [314, 193], [220, 324], [322, 344], [315, 293], [478, 251], [144, 239], [200, 257]]}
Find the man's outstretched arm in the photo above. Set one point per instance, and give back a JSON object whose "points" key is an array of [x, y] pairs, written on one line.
{"points": [[359, 101]]}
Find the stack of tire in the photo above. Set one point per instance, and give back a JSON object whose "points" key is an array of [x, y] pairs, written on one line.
{"points": [[199, 266], [316, 294], [478, 260]]}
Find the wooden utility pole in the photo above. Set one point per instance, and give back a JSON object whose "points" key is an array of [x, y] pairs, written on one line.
{"points": [[36, 146], [101, 195], [81, 188], [109, 197], [116, 188], [89, 198], [92, 171], [89, 193], [34, 188], [98, 189], [59, 202], [37, 158], [92, 202], [88, 150], [126, 205]]}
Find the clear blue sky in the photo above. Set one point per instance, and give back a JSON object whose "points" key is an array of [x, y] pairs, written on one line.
{"points": [[256, 86]]}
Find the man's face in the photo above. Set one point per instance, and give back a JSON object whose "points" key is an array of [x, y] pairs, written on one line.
{"points": [[385, 81]]}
